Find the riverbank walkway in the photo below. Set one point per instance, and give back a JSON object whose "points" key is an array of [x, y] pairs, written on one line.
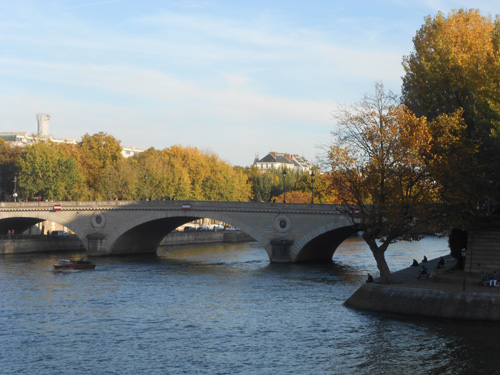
{"points": [[446, 279], [442, 295]]}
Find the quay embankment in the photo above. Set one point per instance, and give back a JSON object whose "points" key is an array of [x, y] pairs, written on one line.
{"points": [[38, 244], [448, 293], [205, 237], [25, 244]]}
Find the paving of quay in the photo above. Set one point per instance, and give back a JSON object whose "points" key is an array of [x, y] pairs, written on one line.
{"points": [[442, 295], [447, 279]]}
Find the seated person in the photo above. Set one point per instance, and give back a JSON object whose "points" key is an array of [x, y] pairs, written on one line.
{"points": [[423, 273], [484, 279], [441, 263], [494, 278], [369, 279], [415, 263], [425, 259]]}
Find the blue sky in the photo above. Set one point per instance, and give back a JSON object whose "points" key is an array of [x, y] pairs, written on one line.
{"points": [[238, 78]]}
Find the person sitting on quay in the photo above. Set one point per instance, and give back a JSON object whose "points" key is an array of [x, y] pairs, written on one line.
{"points": [[423, 273], [369, 279], [494, 278], [441, 263], [484, 279], [415, 263], [424, 260]]}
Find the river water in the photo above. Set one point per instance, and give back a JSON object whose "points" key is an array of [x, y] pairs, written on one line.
{"points": [[224, 309]]}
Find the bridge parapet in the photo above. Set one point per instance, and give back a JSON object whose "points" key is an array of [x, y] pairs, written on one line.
{"points": [[322, 209]]}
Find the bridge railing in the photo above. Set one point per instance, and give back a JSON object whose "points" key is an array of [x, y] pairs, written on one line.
{"points": [[171, 204]]}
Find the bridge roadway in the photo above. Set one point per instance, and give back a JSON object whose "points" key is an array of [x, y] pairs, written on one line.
{"points": [[289, 232]]}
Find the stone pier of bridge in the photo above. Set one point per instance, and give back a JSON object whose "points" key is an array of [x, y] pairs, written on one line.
{"points": [[288, 232]]}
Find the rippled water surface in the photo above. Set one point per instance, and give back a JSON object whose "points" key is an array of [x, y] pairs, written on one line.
{"points": [[223, 309]]}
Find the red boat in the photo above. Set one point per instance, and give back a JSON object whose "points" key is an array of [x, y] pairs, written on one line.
{"points": [[62, 265], [82, 264]]}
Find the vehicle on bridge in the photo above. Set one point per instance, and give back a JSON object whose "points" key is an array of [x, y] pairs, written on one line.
{"points": [[59, 234]]}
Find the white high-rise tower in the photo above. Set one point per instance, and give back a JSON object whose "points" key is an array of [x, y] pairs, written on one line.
{"points": [[43, 124]]}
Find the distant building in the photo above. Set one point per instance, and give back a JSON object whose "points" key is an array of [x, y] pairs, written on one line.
{"points": [[276, 160], [22, 139], [128, 151], [43, 124]]}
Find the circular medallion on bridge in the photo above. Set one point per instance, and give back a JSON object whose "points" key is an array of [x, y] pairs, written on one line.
{"points": [[98, 220], [282, 223]]}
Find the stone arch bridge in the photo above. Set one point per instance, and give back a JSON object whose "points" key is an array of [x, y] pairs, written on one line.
{"points": [[288, 232]]}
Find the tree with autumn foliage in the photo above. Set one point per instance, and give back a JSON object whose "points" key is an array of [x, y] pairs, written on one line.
{"points": [[378, 170], [454, 70], [321, 187], [98, 156], [188, 173], [452, 160]]}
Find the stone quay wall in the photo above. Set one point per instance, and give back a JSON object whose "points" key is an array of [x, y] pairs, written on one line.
{"points": [[39, 244], [426, 302], [204, 237]]}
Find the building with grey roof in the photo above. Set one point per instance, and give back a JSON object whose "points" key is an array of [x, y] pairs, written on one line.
{"points": [[277, 160]]}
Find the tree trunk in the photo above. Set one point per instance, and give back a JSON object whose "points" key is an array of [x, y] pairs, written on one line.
{"points": [[379, 255]]}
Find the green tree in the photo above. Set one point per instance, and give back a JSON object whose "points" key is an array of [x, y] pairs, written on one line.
{"points": [[45, 171], [322, 187], [8, 168]]}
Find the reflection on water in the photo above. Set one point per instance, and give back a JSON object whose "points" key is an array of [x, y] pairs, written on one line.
{"points": [[223, 309]]}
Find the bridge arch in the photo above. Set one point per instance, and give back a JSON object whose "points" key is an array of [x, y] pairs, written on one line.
{"points": [[321, 243], [145, 232], [21, 223]]}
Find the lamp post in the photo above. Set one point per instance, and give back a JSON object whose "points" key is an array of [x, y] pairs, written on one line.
{"points": [[284, 185], [15, 189], [463, 260], [312, 187], [110, 185], [146, 178]]}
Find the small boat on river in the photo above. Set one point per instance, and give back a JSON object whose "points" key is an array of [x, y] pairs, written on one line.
{"points": [[62, 265], [66, 264]]}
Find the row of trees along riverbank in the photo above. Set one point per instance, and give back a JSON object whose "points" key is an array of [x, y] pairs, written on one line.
{"points": [[94, 169]]}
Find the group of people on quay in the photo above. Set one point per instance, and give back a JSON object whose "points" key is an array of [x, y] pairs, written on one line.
{"points": [[487, 280], [424, 272]]}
